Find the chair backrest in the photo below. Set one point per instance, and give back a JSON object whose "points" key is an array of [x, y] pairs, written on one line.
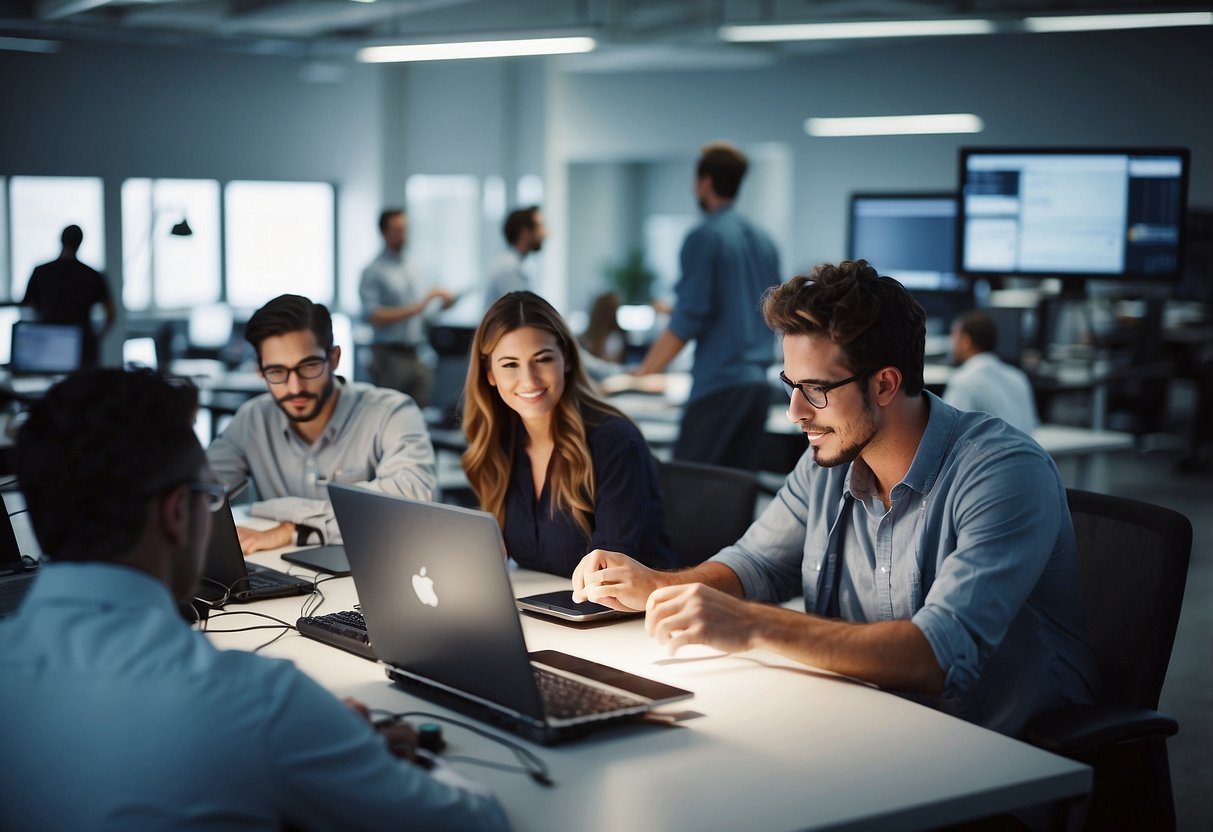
{"points": [[706, 507], [1133, 565]]}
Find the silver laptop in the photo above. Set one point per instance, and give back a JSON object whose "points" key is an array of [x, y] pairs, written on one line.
{"points": [[435, 592], [229, 578]]}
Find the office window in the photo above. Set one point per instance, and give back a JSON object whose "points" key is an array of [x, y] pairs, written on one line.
{"points": [[663, 238], [5, 281], [530, 190], [444, 229], [164, 267], [40, 207], [280, 239]]}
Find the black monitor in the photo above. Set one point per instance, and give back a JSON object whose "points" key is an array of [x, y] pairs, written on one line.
{"points": [[911, 237], [1073, 213]]}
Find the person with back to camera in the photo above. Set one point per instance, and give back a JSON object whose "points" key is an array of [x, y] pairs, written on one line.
{"points": [[114, 713], [934, 548], [562, 470]]}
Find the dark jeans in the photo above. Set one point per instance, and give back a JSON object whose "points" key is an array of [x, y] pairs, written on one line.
{"points": [[725, 428]]}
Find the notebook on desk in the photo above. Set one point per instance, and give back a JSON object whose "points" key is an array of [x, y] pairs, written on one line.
{"points": [[436, 595], [15, 579], [229, 578]]}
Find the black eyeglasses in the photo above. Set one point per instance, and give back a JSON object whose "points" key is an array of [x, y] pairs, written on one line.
{"points": [[213, 493], [308, 368], [815, 394]]}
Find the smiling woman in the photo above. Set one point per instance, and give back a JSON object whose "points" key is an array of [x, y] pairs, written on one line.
{"points": [[563, 471]]}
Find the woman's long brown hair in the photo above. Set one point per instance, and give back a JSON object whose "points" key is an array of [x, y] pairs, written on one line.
{"points": [[491, 426]]}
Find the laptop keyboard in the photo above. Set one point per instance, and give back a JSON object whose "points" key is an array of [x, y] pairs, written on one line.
{"points": [[345, 630], [565, 698]]}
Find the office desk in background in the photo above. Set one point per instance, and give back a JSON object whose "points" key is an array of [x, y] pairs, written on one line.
{"points": [[1078, 451], [765, 744]]}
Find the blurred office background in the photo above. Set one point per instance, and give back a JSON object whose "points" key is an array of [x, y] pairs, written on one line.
{"points": [[256, 126]]}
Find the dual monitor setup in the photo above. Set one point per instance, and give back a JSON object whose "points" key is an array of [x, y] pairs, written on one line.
{"points": [[1073, 214]]}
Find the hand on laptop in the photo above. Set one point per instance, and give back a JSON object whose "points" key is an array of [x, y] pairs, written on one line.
{"points": [[615, 580], [258, 540]]}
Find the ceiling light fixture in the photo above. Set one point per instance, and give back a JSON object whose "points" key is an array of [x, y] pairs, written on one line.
{"points": [[1096, 22], [475, 49], [894, 125], [760, 32], [38, 45]]}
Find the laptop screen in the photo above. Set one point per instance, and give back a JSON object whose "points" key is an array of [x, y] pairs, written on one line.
{"points": [[45, 349]]}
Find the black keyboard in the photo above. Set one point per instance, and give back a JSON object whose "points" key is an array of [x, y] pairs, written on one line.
{"points": [[345, 630], [565, 698]]}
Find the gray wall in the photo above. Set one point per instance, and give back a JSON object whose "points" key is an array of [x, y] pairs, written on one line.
{"points": [[124, 111]]}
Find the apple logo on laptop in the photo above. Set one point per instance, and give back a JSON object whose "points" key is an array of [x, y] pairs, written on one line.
{"points": [[423, 585]]}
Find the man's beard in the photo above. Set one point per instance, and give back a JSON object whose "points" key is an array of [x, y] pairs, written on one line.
{"points": [[850, 452], [320, 398]]}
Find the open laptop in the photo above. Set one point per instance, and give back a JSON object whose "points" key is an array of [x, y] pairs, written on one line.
{"points": [[229, 578], [15, 579], [41, 354], [435, 592]]}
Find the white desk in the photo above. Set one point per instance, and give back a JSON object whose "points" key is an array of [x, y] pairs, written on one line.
{"points": [[773, 745]]}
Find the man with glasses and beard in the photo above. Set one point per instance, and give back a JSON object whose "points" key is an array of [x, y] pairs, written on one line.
{"points": [[312, 428], [933, 548]]}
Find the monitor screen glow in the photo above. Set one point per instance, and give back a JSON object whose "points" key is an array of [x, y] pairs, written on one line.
{"points": [[909, 237], [1116, 214]]}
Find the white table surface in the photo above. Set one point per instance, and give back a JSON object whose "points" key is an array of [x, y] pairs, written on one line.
{"points": [[764, 744]]}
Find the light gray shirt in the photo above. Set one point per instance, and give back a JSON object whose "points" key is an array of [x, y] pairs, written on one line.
{"points": [[392, 280], [987, 384], [115, 715], [507, 277], [977, 550], [376, 438]]}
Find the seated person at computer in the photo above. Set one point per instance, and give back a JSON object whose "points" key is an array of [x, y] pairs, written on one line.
{"points": [[114, 713], [934, 548], [982, 381], [313, 427], [563, 471]]}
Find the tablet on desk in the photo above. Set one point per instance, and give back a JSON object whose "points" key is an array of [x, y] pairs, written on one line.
{"points": [[330, 559], [561, 605]]}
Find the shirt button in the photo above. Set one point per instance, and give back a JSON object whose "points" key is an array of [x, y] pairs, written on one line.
{"points": [[882, 569]]}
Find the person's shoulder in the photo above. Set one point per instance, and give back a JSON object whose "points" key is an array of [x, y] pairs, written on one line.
{"points": [[613, 434]]}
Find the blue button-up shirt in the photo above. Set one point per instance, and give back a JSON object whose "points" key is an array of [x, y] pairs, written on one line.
{"points": [[115, 715], [727, 264], [977, 549]]}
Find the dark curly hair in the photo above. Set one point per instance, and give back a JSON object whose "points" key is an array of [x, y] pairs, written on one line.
{"points": [[95, 449], [873, 319]]}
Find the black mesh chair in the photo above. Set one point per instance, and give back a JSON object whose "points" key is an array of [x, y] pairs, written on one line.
{"points": [[707, 507], [1133, 564]]}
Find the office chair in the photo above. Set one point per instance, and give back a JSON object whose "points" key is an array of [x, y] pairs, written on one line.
{"points": [[707, 507], [1133, 564]]}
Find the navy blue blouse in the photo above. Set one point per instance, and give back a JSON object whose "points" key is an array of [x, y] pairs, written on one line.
{"points": [[627, 510]]}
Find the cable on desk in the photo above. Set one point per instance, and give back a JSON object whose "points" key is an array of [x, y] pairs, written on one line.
{"points": [[532, 765], [285, 626]]}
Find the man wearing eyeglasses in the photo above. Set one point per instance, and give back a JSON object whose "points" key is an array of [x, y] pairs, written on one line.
{"points": [[933, 548], [311, 428], [114, 714]]}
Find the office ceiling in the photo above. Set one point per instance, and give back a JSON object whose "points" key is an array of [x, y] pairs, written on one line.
{"points": [[648, 31]]}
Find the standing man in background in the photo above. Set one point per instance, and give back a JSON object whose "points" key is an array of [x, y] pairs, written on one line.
{"points": [[727, 265], [983, 381], [65, 290], [394, 305], [524, 233]]}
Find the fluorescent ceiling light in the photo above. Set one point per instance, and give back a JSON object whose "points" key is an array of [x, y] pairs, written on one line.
{"points": [[1093, 22], [475, 49], [894, 125], [859, 29]]}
